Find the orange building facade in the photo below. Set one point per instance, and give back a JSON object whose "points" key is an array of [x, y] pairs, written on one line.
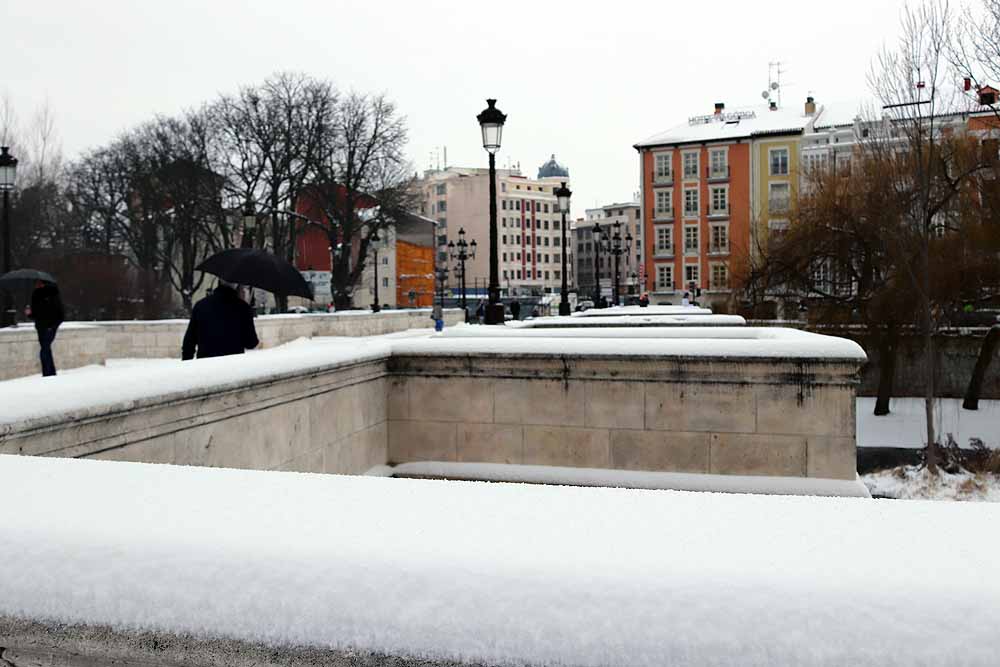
{"points": [[414, 274], [696, 216]]}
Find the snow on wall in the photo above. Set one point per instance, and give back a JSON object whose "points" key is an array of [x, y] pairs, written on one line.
{"points": [[501, 573]]}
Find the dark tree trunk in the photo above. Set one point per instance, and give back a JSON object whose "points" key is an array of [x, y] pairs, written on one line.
{"points": [[986, 351], [888, 347]]}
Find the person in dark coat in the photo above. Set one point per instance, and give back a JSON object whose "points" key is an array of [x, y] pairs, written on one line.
{"points": [[515, 309], [221, 324], [46, 310], [644, 300]]}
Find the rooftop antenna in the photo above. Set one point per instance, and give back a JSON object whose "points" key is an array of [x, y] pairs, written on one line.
{"points": [[774, 73]]}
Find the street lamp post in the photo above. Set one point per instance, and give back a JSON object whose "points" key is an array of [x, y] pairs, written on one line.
{"points": [[563, 194], [618, 250], [597, 265], [491, 122], [374, 240], [8, 172], [249, 225], [460, 252]]}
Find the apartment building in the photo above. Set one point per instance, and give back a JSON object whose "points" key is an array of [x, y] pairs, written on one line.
{"points": [[590, 262], [706, 184], [529, 224]]}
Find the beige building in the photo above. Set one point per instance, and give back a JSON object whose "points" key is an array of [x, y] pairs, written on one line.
{"points": [[529, 225], [628, 215]]}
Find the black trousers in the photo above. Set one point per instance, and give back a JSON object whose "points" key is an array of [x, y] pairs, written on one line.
{"points": [[46, 337]]}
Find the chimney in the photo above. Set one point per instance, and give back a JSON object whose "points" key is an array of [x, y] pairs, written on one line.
{"points": [[774, 106], [810, 106], [719, 106]]}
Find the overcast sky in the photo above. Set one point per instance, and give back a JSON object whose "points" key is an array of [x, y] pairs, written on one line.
{"points": [[582, 80]]}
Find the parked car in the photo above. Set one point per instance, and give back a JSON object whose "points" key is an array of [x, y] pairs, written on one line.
{"points": [[586, 304]]}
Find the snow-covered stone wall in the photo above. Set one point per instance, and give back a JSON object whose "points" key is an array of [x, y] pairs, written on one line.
{"points": [[82, 344], [737, 401]]}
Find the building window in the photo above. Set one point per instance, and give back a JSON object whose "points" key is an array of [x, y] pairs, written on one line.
{"points": [[555, 224], [664, 239], [442, 189], [691, 274], [385, 282], [517, 205], [505, 257], [691, 239], [720, 239], [664, 276], [503, 204], [691, 202], [720, 276], [663, 166], [545, 224], [546, 275], [720, 200], [778, 157], [691, 164], [664, 203], [518, 274], [557, 275], [505, 274], [504, 238], [385, 260], [778, 197], [718, 163], [556, 241]]}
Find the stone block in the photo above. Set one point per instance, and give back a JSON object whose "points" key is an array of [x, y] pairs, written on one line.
{"points": [[539, 402], [491, 443], [422, 441], [155, 450], [614, 404], [694, 406], [810, 410], [757, 454], [573, 447], [310, 461], [398, 399], [833, 458], [660, 451], [450, 399]]}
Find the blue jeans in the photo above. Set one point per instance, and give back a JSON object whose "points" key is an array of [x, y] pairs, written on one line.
{"points": [[45, 339]]}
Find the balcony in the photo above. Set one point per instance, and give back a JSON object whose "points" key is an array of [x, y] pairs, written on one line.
{"points": [[718, 249], [716, 213], [659, 178], [719, 174], [664, 251], [691, 251], [663, 214], [690, 174]]}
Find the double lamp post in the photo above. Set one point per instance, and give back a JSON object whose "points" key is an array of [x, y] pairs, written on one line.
{"points": [[610, 243]]}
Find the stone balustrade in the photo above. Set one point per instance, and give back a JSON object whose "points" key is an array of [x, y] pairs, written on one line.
{"points": [[82, 344], [739, 401]]}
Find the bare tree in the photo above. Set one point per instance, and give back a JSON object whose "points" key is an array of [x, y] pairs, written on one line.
{"points": [[362, 184]]}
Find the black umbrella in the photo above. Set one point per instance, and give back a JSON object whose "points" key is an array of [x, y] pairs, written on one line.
{"points": [[257, 268], [24, 278]]}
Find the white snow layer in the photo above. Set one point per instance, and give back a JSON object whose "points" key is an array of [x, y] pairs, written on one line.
{"points": [[906, 426], [507, 573], [37, 397]]}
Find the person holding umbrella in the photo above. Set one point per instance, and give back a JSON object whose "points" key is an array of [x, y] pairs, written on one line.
{"points": [[221, 324], [46, 310]]}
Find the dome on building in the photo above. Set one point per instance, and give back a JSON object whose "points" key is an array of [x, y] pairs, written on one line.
{"points": [[553, 169]]}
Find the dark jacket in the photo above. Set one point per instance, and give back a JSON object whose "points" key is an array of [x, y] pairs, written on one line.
{"points": [[221, 324], [46, 307]]}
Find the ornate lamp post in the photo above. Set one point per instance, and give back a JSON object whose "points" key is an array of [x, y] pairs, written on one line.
{"points": [[618, 250], [249, 225], [491, 122], [597, 264], [460, 252], [374, 239], [8, 172], [563, 194]]}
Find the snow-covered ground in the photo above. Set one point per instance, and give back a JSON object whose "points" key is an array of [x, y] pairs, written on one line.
{"points": [[913, 483], [506, 573], [905, 425]]}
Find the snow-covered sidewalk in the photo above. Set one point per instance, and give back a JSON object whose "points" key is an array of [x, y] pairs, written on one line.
{"points": [[500, 573]]}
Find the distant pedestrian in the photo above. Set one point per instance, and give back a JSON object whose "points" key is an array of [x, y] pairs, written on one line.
{"points": [[686, 299], [221, 324], [515, 309], [534, 312], [644, 300], [437, 314], [46, 310], [480, 311]]}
